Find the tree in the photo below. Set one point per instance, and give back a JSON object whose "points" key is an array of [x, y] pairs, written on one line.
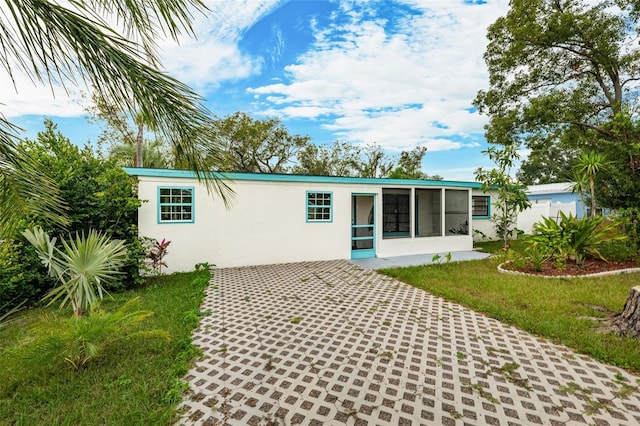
{"points": [[240, 143], [410, 165], [155, 154], [73, 43], [580, 185], [345, 159], [549, 161], [511, 196], [589, 164], [339, 159], [373, 162], [125, 138], [566, 67]]}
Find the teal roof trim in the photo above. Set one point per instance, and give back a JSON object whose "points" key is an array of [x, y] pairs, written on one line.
{"points": [[265, 177]]}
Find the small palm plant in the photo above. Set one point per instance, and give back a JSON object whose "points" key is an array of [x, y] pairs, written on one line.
{"points": [[81, 266], [77, 341]]}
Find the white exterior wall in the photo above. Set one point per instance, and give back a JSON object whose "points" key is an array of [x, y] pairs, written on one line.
{"points": [[566, 208], [266, 223], [486, 226], [536, 212]]}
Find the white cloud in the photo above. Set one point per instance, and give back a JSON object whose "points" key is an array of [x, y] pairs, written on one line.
{"points": [[390, 87], [213, 55], [463, 174], [37, 98], [203, 62]]}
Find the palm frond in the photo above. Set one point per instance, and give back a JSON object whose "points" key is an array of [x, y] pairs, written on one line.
{"points": [[53, 43], [81, 266], [24, 187]]}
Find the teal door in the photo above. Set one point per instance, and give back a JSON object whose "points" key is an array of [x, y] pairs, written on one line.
{"points": [[363, 228]]}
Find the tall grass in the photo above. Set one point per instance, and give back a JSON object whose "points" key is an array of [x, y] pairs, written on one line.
{"points": [[136, 382]]}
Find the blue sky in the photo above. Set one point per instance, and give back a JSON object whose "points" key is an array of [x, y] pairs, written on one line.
{"points": [[395, 73]]}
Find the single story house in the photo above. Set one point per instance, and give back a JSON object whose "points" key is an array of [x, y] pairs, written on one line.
{"points": [[277, 218]]}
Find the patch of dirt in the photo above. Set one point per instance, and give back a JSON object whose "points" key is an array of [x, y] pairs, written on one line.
{"points": [[590, 266]]}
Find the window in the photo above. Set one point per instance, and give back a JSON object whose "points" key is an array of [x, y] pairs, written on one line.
{"points": [[456, 212], [480, 206], [428, 217], [319, 207], [175, 204], [395, 213]]}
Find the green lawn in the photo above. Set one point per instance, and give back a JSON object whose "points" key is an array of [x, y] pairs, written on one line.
{"points": [[558, 309], [137, 383]]}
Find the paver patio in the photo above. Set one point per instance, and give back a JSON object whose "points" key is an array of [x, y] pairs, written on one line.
{"points": [[327, 343]]}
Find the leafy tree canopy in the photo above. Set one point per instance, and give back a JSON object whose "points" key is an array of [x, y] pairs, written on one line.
{"points": [[240, 143], [344, 159], [245, 144], [564, 78], [410, 165]]}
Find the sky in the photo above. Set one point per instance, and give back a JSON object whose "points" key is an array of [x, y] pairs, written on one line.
{"points": [[398, 74]]}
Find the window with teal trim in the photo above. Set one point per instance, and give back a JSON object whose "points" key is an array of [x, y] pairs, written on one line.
{"points": [[319, 208], [480, 205], [175, 204], [395, 213]]}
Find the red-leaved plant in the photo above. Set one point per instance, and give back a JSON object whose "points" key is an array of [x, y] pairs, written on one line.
{"points": [[156, 254]]}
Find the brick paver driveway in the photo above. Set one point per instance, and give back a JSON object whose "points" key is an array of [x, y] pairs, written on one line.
{"points": [[332, 343]]}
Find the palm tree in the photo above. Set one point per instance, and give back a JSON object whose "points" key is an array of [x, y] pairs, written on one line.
{"points": [[580, 184], [154, 154], [589, 164], [72, 43]]}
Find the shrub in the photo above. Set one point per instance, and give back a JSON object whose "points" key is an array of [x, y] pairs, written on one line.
{"points": [[536, 257], [156, 251], [572, 239], [23, 279], [99, 195]]}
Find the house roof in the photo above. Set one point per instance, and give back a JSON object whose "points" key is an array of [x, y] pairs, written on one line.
{"points": [[265, 177], [551, 188]]}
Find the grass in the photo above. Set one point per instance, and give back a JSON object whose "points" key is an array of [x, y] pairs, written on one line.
{"points": [[558, 309], [137, 383]]}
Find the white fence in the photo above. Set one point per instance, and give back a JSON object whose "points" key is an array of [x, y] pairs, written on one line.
{"points": [[536, 212]]}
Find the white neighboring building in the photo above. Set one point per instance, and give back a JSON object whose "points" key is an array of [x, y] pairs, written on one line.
{"points": [[548, 200], [294, 218], [557, 193]]}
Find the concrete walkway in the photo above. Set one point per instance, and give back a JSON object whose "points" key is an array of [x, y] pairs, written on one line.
{"points": [[420, 259], [330, 343]]}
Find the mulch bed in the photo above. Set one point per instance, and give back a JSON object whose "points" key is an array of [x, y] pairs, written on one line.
{"points": [[591, 266]]}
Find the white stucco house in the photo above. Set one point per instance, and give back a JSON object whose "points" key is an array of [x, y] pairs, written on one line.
{"points": [[294, 218]]}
